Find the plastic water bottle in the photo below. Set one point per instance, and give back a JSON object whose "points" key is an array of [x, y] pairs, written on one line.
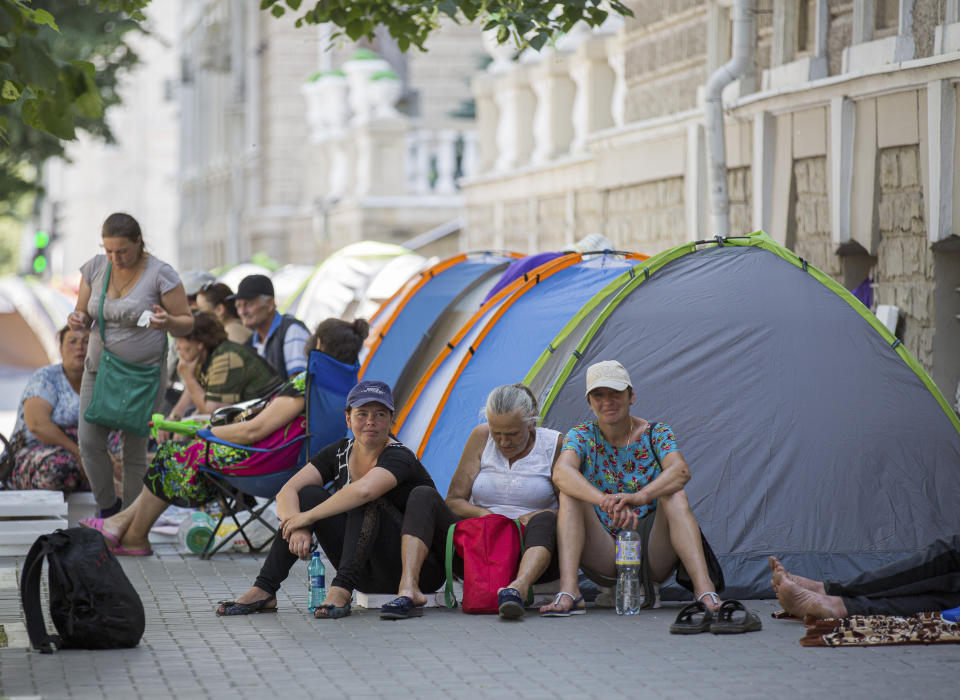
{"points": [[318, 588], [628, 572], [195, 531]]}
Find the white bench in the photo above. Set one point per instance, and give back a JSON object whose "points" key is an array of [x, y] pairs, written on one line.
{"points": [[25, 515]]}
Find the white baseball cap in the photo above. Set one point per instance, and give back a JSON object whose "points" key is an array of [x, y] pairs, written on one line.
{"points": [[609, 374]]}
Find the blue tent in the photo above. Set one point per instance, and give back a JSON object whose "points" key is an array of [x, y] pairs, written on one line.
{"points": [[421, 303], [500, 347]]}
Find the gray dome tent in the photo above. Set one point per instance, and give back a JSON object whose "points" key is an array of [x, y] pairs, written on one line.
{"points": [[810, 431]]}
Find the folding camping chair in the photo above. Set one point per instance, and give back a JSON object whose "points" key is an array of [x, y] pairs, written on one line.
{"points": [[328, 383]]}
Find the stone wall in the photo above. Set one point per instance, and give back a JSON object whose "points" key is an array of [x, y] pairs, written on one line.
{"points": [[552, 222], [647, 218], [741, 204], [519, 226], [905, 270], [839, 33], [810, 228], [664, 68]]}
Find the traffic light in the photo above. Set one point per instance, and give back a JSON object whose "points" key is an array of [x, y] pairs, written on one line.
{"points": [[41, 241]]}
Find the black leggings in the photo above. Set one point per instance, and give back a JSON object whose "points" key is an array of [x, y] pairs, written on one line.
{"points": [[363, 545], [428, 517], [928, 581]]}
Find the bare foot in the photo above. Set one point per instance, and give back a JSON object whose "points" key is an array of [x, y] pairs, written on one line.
{"points": [[520, 588], [414, 594], [803, 602], [710, 600], [563, 603], [337, 596], [255, 594], [803, 582]]}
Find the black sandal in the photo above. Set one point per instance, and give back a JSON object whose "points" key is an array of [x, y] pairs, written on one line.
{"points": [[232, 607], [724, 624], [685, 624], [329, 611]]}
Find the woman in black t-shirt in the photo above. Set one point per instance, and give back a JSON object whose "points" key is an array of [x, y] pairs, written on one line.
{"points": [[358, 526]]}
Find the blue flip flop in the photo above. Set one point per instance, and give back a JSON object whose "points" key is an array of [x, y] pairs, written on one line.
{"points": [[400, 608], [510, 604], [576, 609]]}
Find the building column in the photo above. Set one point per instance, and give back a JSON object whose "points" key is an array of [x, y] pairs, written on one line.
{"points": [[594, 80], [488, 116], [515, 102], [941, 145], [840, 159], [552, 125], [762, 168]]}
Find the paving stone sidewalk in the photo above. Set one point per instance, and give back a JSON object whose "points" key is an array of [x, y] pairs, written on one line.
{"points": [[188, 652]]}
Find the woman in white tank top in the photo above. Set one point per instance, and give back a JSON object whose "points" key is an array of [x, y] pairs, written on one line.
{"points": [[506, 468]]}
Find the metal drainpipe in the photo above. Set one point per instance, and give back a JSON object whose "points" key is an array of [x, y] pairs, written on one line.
{"points": [[743, 41]]}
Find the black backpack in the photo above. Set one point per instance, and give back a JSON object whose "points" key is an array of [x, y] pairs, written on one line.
{"points": [[92, 602]]}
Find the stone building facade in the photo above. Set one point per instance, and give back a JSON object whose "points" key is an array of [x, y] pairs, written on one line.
{"points": [[279, 153], [841, 143]]}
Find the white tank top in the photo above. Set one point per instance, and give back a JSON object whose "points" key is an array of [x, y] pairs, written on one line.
{"points": [[521, 488]]}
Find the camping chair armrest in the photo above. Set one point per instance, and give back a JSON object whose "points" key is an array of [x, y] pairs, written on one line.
{"points": [[207, 435]]}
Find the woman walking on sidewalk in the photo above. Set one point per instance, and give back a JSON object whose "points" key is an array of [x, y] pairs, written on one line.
{"points": [[142, 289]]}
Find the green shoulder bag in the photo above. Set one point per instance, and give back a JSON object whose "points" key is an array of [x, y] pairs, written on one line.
{"points": [[124, 392]]}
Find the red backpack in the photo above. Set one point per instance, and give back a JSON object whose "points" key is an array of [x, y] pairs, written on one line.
{"points": [[491, 547]]}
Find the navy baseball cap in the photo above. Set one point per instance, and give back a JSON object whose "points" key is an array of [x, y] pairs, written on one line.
{"points": [[253, 286], [368, 391]]}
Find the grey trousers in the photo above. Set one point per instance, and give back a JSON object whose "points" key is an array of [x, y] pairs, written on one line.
{"points": [[96, 460]]}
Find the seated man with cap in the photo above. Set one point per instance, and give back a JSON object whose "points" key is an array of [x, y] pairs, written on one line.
{"points": [[278, 338], [623, 472]]}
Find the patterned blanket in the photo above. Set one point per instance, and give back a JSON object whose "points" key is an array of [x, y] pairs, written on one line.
{"points": [[877, 630]]}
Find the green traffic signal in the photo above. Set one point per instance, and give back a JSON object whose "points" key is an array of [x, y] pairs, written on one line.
{"points": [[39, 264], [41, 239]]}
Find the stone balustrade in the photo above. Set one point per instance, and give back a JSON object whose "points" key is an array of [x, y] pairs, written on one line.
{"points": [[369, 149], [546, 105]]}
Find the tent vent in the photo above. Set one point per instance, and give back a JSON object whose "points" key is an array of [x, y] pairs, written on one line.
{"points": [[895, 343]]}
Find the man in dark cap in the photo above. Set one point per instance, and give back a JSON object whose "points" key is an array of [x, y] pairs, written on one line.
{"points": [[277, 338]]}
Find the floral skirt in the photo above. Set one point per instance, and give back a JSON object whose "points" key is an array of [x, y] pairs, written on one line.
{"points": [[174, 473], [40, 466]]}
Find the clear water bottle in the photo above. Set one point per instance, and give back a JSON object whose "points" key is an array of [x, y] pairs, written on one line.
{"points": [[318, 588], [628, 572]]}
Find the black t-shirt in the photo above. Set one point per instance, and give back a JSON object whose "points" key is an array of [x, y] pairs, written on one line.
{"points": [[396, 458]]}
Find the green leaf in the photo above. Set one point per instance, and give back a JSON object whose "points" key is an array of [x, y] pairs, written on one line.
{"points": [[86, 67], [264, 4], [277, 11], [9, 92], [448, 7], [45, 18], [355, 29], [42, 113], [294, 4], [33, 64], [502, 34], [537, 41]]}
